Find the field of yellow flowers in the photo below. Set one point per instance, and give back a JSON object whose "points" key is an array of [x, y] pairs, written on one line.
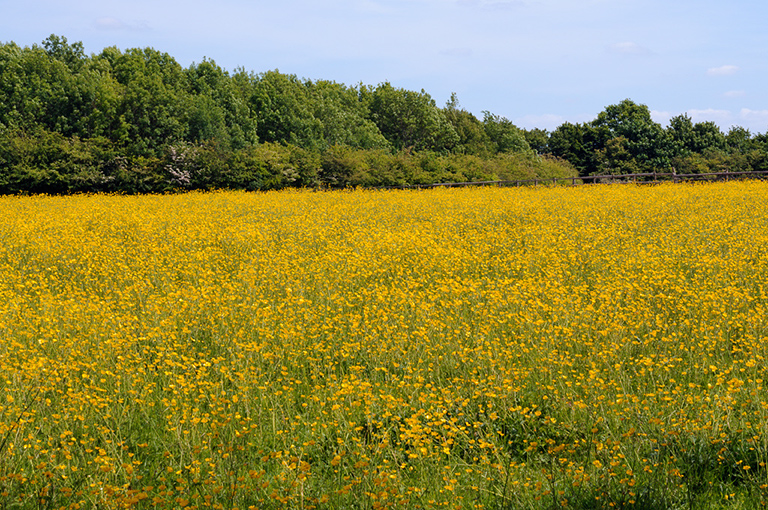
{"points": [[588, 347]]}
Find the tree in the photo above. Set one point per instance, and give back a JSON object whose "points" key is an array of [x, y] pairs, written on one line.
{"points": [[616, 159], [578, 144], [343, 116], [646, 141], [218, 107], [38, 88], [503, 134], [538, 140], [206, 120], [707, 137], [739, 140], [472, 136], [682, 135], [283, 111], [410, 119], [687, 137], [153, 108], [72, 55]]}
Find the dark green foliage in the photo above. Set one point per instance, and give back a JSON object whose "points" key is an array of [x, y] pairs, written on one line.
{"points": [[629, 141], [505, 136], [152, 105], [577, 144], [343, 117], [219, 106], [72, 55], [473, 138], [274, 166], [48, 162], [538, 140], [281, 105], [688, 137], [616, 157], [38, 91], [135, 121], [410, 120], [344, 166], [623, 139]]}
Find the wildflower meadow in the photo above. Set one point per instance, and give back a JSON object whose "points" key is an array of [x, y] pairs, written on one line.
{"points": [[501, 348]]}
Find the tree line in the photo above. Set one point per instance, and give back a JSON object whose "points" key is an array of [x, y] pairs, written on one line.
{"points": [[137, 121], [623, 139]]}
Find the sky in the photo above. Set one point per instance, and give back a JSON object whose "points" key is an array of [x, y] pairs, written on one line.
{"points": [[538, 63]]}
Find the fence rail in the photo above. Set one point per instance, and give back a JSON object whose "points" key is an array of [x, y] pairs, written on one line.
{"points": [[644, 178]]}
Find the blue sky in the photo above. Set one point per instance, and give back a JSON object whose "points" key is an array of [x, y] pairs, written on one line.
{"points": [[538, 63]]}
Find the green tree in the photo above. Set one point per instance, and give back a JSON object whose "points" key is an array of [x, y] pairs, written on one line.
{"points": [[273, 166], [42, 161], [687, 137], [219, 106], [343, 117], [206, 115], [503, 134], [206, 120], [615, 158], [72, 55], [153, 107], [538, 140], [284, 115], [410, 119], [645, 140], [708, 137], [578, 144], [472, 136], [22, 83], [40, 88], [739, 140], [34, 88], [680, 131]]}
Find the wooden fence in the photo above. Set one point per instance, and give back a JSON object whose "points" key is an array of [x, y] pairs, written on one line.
{"points": [[646, 178]]}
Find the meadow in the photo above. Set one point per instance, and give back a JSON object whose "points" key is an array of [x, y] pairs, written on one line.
{"points": [[499, 348]]}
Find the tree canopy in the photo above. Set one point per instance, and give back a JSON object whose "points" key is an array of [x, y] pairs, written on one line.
{"points": [[136, 120]]}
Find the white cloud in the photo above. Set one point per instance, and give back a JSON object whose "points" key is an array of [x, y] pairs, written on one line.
{"points": [[754, 117], [661, 117], [726, 70], [735, 93], [719, 117]]}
